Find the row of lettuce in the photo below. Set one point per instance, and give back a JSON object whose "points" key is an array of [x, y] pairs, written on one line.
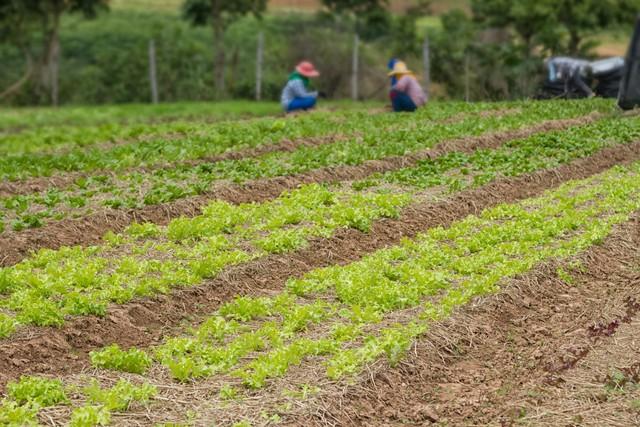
{"points": [[365, 137], [340, 318], [147, 259]]}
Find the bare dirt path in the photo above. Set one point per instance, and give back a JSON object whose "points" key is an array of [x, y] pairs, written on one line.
{"points": [[602, 389], [143, 323], [90, 229], [540, 353]]}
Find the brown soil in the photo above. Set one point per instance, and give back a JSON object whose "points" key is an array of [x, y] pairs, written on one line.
{"points": [[601, 390], [145, 322], [36, 185], [90, 229], [539, 353]]}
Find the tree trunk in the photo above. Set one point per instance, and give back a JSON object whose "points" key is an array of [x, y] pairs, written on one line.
{"points": [[14, 88], [218, 47], [355, 62], [574, 42], [426, 65], [43, 76], [153, 72], [233, 69], [49, 63], [259, 65], [54, 67], [528, 42]]}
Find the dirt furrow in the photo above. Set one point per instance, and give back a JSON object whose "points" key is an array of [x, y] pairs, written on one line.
{"points": [[142, 323], [535, 354], [90, 229]]}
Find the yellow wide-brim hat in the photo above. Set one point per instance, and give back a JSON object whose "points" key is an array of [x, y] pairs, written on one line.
{"points": [[399, 68]]}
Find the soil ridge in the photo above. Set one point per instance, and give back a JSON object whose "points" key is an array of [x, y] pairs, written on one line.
{"points": [[146, 322]]}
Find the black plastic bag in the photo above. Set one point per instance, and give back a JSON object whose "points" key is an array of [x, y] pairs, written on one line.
{"points": [[629, 96], [609, 84]]}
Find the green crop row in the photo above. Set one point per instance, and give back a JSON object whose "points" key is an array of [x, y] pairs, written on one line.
{"points": [[351, 315], [26, 153], [348, 316], [458, 170], [148, 259], [75, 149], [31, 395], [136, 189]]}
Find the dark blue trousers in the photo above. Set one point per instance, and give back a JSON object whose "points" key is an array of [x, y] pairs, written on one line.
{"points": [[302, 103], [402, 102]]}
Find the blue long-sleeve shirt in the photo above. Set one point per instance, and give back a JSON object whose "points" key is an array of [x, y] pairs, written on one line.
{"points": [[295, 89]]}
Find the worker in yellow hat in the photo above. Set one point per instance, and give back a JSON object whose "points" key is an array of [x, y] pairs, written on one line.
{"points": [[406, 93]]}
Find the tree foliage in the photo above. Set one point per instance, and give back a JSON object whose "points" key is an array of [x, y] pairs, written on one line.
{"points": [[371, 19], [20, 18], [220, 14], [203, 12], [559, 26], [13, 16], [355, 6], [581, 18]]}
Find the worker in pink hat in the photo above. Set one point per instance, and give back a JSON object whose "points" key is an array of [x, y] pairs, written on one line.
{"points": [[296, 95]]}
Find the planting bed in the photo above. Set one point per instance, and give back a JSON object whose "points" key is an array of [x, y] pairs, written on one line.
{"points": [[470, 264]]}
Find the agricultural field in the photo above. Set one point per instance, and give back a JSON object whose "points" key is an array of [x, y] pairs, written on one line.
{"points": [[199, 265]]}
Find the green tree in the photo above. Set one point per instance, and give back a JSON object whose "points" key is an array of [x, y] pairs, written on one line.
{"points": [[582, 18], [355, 6], [405, 39], [531, 20], [220, 14], [449, 47], [50, 12], [559, 26], [16, 21], [371, 18], [20, 16]]}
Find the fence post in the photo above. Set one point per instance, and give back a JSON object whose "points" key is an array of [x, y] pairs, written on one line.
{"points": [[427, 66], [467, 89], [259, 64], [355, 64], [54, 71], [153, 78]]}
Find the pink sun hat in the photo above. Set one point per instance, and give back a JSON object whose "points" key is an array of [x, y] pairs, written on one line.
{"points": [[307, 69]]}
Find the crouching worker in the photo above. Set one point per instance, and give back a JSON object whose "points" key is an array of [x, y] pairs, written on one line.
{"points": [[295, 95], [406, 93]]}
